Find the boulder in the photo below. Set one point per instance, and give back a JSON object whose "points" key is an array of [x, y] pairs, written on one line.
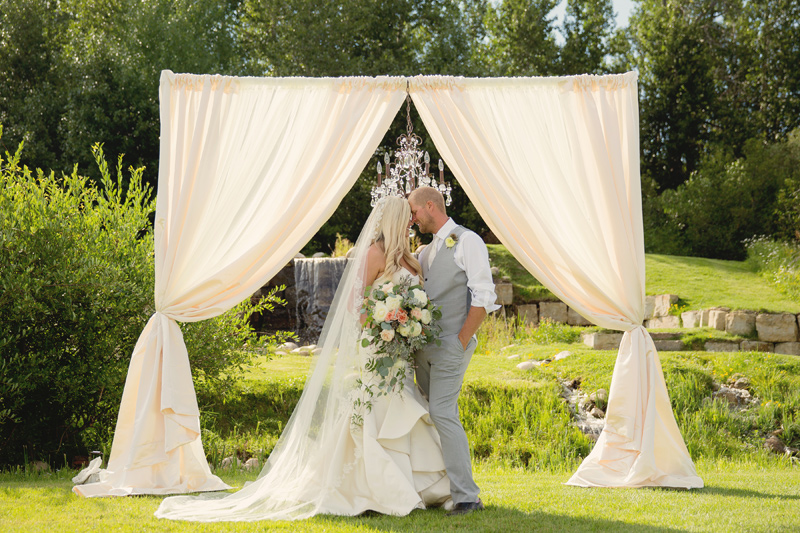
{"points": [[691, 319], [554, 311], [649, 306], [561, 355], [740, 323], [505, 293], [318, 255], [776, 327], [774, 444], [721, 346], [525, 365], [597, 412], [734, 397], [602, 341], [717, 319], [668, 345], [787, 348], [663, 304], [704, 314], [529, 313], [251, 464], [664, 322], [756, 346], [576, 319]]}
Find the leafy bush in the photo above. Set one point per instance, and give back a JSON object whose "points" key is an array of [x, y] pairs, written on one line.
{"points": [[728, 200], [77, 282], [77, 290], [778, 261]]}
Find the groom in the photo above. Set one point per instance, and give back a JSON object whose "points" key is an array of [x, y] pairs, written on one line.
{"points": [[455, 267]]}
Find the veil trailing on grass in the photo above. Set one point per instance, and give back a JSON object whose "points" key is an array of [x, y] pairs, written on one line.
{"points": [[307, 465]]}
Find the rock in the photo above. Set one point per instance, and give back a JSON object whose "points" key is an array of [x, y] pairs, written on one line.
{"points": [[776, 327], [288, 346], [740, 323], [774, 444], [251, 464], [504, 348], [299, 255], [704, 314], [554, 311], [39, 466], [717, 319], [281, 353], [668, 345], [525, 365], [505, 293], [318, 255], [602, 341], [664, 322], [597, 412], [600, 395], [649, 306], [734, 397], [741, 383], [573, 383], [788, 348], [691, 319], [721, 346], [756, 346], [512, 357], [529, 313], [316, 351], [229, 462], [576, 319], [495, 272], [663, 304], [561, 355]]}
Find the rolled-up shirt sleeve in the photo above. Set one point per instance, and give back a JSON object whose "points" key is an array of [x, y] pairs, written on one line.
{"points": [[473, 258]]}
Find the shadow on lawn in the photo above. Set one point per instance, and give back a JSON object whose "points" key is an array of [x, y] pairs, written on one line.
{"points": [[745, 493], [494, 518]]}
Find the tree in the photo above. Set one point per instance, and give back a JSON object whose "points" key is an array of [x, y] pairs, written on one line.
{"points": [[521, 38], [588, 37]]}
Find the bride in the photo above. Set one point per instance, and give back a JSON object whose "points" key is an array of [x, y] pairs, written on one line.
{"points": [[324, 463]]}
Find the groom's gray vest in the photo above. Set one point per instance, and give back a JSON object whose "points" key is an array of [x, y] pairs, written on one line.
{"points": [[446, 285]]}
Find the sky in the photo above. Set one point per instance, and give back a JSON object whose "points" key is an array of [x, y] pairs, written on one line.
{"points": [[621, 7]]}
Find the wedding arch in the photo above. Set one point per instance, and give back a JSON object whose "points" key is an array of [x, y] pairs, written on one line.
{"points": [[251, 168]]}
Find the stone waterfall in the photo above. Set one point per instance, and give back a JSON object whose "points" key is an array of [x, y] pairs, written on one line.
{"points": [[316, 281]]}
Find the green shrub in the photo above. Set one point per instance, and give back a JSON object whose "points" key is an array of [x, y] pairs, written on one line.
{"points": [[77, 290], [77, 282], [777, 261]]}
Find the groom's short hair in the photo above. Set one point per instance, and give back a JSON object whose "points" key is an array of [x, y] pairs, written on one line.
{"points": [[423, 195]]}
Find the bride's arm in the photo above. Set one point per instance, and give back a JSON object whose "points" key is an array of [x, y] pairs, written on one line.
{"points": [[376, 262]]}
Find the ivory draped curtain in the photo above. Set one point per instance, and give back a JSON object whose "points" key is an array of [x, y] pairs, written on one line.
{"points": [[552, 166], [249, 170]]}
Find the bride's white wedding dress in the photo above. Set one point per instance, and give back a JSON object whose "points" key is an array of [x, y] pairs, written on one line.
{"points": [[324, 463]]}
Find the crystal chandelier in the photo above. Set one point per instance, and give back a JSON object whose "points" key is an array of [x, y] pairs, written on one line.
{"points": [[407, 172]]}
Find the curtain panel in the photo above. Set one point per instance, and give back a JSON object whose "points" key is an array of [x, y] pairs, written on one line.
{"points": [[552, 166], [249, 170]]}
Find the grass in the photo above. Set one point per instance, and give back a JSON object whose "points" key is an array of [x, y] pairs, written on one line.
{"points": [[740, 497], [701, 283]]}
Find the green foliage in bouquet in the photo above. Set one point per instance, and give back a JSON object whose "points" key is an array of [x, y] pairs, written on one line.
{"points": [[400, 319]]}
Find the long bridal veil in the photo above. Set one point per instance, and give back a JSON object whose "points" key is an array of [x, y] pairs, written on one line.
{"points": [[306, 466]]}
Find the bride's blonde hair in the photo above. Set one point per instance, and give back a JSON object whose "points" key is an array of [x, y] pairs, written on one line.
{"points": [[393, 237]]}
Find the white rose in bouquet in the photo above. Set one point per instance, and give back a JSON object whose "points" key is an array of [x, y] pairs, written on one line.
{"points": [[380, 311], [420, 296], [404, 330], [387, 335], [394, 302], [426, 316], [416, 329]]}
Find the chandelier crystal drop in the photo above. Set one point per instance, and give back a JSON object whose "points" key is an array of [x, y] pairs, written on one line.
{"points": [[411, 168]]}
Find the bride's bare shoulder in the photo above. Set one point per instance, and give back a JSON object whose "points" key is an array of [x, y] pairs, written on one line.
{"points": [[376, 258]]}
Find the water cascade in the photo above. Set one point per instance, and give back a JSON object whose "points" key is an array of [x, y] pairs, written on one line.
{"points": [[316, 281]]}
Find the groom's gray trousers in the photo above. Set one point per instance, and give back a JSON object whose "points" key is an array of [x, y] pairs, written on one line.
{"points": [[440, 373], [440, 369]]}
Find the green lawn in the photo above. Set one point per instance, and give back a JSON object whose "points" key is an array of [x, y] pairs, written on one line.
{"points": [[700, 283], [736, 498]]}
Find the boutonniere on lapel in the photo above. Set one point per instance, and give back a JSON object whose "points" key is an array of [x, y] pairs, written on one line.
{"points": [[451, 240]]}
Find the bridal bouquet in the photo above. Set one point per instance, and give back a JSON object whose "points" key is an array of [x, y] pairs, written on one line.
{"points": [[400, 320]]}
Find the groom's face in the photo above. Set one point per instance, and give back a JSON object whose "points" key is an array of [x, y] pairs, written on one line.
{"points": [[421, 216]]}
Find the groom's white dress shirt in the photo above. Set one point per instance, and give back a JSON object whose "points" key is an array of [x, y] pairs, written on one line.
{"points": [[472, 257]]}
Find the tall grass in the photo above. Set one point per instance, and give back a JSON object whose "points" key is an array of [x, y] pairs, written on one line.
{"points": [[777, 261]]}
